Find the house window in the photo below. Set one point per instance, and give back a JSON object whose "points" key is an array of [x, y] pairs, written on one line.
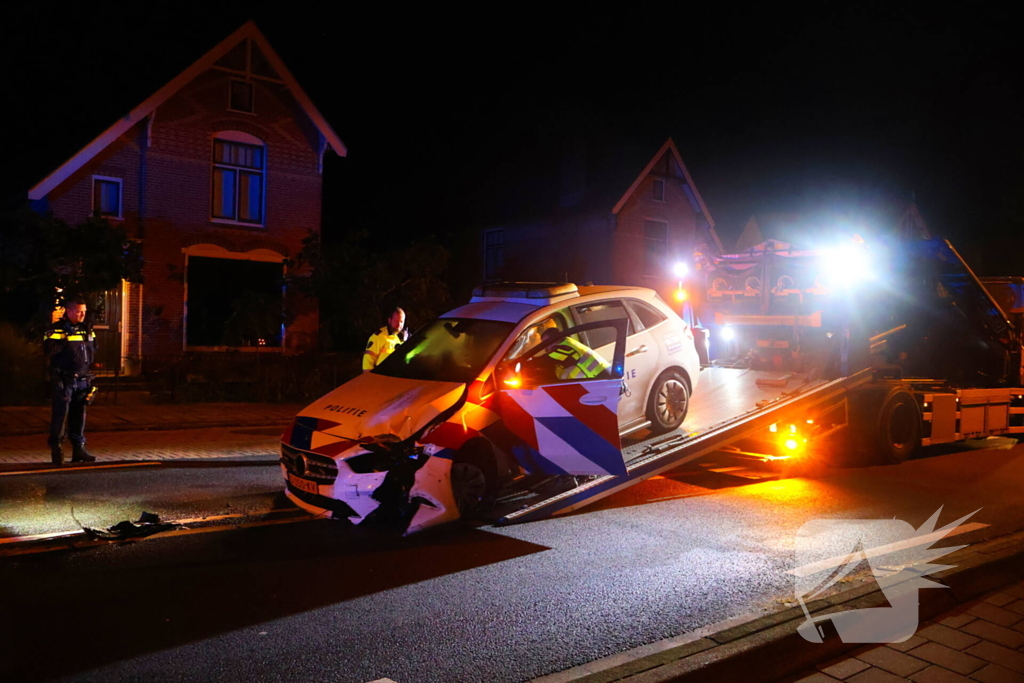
{"points": [[240, 97], [494, 253], [106, 197], [655, 247], [238, 182], [659, 190]]}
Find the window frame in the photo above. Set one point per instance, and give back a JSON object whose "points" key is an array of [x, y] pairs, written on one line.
{"points": [[252, 95], [649, 270], [120, 196], [659, 182], [498, 248], [238, 138]]}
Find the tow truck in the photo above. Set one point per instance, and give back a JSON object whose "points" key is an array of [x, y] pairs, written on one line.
{"points": [[859, 353]]}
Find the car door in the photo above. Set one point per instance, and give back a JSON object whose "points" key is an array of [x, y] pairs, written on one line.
{"points": [[565, 424], [647, 359], [640, 354]]}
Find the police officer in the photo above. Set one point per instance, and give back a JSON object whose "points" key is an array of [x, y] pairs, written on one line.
{"points": [[71, 346], [384, 341], [574, 359]]}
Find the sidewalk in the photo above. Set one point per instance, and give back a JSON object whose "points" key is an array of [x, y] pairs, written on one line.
{"points": [[25, 420], [982, 640]]}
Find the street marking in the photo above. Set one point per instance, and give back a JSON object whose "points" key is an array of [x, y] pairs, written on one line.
{"points": [[927, 539], [39, 537], [101, 466]]}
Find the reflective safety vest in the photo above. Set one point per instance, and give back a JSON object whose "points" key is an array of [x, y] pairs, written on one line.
{"points": [[577, 360], [71, 347], [381, 345]]}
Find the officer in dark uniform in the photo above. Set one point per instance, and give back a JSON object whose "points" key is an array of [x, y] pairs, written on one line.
{"points": [[71, 346]]}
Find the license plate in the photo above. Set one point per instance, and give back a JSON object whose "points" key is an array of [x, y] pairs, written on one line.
{"points": [[302, 484]]}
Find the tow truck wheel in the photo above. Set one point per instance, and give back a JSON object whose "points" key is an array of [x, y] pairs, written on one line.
{"points": [[668, 402], [884, 426], [468, 487], [899, 427]]}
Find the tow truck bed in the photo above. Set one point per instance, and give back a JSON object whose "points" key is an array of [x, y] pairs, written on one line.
{"points": [[728, 405]]}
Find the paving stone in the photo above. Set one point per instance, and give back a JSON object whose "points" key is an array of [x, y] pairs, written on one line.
{"points": [[844, 669], [997, 654], [993, 673], [874, 675], [1000, 599], [948, 658], [947, 636], [957, 620], [936, 674], [908, 644], [817, 677], [1017, 590], [1017, 606], [997, 615], [995, 633], [892, 661]]}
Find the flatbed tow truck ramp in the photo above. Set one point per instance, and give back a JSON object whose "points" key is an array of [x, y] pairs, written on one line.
{"points": [[889, 388], [732, 406]]}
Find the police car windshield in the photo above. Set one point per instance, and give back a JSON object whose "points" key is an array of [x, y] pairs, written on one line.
{"points": [[447, 350]]}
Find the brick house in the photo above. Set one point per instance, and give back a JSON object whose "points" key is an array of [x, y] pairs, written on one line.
{"points": [[615, 222], [219, 176]]}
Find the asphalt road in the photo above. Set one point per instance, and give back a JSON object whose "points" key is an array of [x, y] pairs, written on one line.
{"points": [[315, 601]]}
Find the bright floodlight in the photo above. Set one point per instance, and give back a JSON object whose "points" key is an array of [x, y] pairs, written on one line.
{"points": [[728, 334], [680, 270], [847, 264]]}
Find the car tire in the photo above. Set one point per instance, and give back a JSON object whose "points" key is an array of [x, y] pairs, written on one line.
{"points": [[469, 488], [668, 402]]}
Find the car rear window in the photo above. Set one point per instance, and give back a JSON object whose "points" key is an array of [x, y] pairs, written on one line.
{"points": [[646, 314], [599, 312]]}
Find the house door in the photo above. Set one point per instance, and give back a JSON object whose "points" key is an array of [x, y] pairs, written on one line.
{"points": [[106, 323]]}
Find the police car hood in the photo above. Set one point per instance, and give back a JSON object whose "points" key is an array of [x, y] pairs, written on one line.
{"points": [[375, 405]]}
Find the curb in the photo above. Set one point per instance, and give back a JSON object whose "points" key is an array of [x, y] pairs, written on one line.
{"points": [[77, 540], [769, 648], [223, 461], [154, 427]]}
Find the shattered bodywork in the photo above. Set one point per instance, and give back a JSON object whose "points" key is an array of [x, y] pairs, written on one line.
{"points": [[362, 452]]}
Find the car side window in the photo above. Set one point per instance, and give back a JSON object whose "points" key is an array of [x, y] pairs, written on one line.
{"points": [[646, 314], [601, 311], [531, 336]]}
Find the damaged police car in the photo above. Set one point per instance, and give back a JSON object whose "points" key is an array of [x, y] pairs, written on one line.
{"points": [[526, 379]]}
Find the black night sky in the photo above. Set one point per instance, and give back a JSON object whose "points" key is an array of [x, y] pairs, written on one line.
{"points": [[443, 110]]}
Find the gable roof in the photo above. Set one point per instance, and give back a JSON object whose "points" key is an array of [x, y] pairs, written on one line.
{"points": [[670, 147], [248, 30]]}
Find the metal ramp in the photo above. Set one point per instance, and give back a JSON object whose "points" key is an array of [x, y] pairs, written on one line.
{"points": [[731, 406]]}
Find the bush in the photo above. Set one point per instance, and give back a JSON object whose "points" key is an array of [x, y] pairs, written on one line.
{"points": [[23, 374]]}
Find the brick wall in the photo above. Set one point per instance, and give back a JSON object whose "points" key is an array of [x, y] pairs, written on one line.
{"points": [[177, 196], [628, 261]]}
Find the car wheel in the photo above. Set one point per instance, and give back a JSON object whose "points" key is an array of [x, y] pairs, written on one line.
{"points": [[469, 486], [668, 402]]}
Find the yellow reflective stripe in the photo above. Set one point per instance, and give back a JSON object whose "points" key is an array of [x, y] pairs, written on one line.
{"points": [[57, 335], [76, 337]]}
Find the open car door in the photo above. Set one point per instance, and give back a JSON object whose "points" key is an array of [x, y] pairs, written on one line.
{"points": [[561, 400]]}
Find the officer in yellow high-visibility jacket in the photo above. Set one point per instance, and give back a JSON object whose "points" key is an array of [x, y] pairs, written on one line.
{"points": [[576, 360], [384, 341]]}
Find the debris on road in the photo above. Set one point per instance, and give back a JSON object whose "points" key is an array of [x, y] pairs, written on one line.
{"points": [[147, 525]]}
